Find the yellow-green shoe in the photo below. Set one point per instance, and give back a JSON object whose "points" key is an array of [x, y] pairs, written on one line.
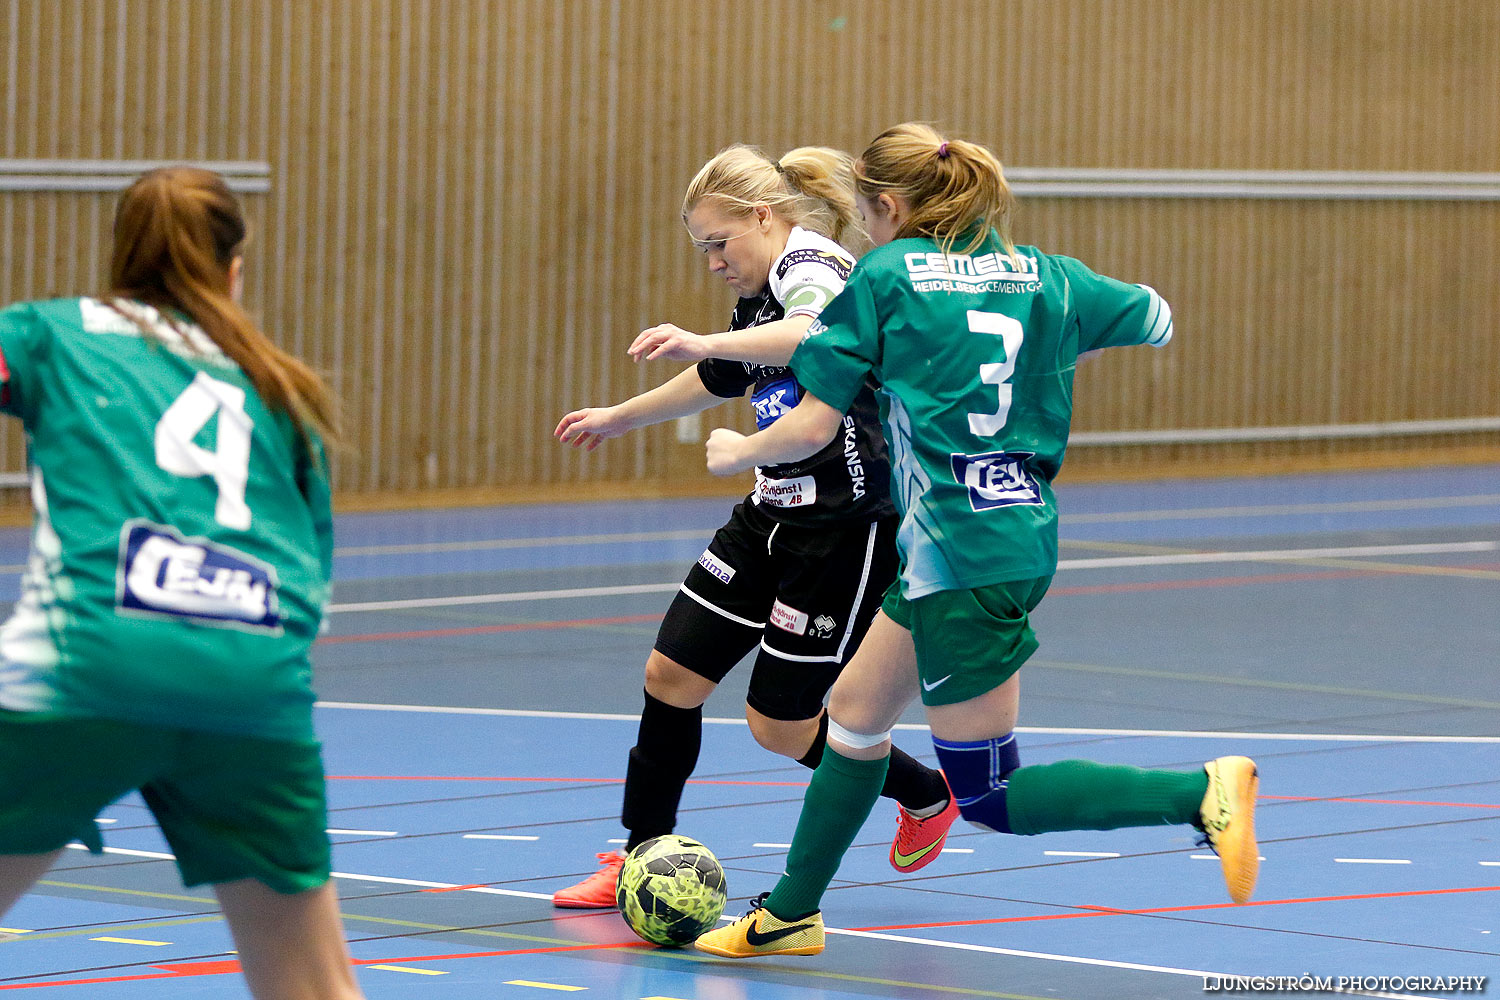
{"points": [[760, 932], [1227, 818]]}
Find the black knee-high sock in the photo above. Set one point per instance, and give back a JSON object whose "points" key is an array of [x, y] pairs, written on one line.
{"points": [[908, 780], [664, 755]]}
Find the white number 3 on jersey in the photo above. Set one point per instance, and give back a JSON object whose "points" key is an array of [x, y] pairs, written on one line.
{"points": [[228, 463], [1010, 332]]}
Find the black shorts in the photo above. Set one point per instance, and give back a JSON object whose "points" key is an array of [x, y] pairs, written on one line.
{"points": [[805, 594]]}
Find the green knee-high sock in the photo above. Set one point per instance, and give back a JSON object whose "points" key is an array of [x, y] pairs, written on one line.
{"points": [[1084, 795], [840, 797]]}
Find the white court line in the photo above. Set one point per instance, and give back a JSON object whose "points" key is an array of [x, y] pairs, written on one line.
{"points": [[566, 541], [365, 833], [1108, 562], [158, 855], [1046, 956], [1082, 854], [771, 845], [496, 836], [920, 727], [958, 850], [420, 883], [1373, 861], [1491, 864], [106, 821], [1103, 517], [461, 600], [955, 945]]}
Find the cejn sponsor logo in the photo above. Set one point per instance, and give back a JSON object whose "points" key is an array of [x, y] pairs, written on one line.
{"points": [[161, 572], [799, 492], [986, 272], [788, 619], [996, 479], [716, 566]]}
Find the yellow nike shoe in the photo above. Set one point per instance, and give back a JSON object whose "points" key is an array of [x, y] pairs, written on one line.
{"points": [[1227, 819], [760, 932]]}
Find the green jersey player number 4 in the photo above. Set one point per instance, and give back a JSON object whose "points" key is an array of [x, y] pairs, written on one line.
{"points": [[179, 518]]}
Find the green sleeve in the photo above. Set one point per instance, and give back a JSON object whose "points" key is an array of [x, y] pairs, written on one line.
{"points": [[22, 341], [1113, 314], [842, 346]]}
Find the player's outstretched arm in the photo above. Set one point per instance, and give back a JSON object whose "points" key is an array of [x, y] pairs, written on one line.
{"points": [[681, 396], [809, 426], [767, 344]]}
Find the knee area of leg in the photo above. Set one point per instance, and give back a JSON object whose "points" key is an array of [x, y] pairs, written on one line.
{"points": [[975, 769], [785, 738]]}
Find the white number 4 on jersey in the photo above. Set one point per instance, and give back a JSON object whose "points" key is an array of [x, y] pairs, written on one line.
{"points": [[228, 463]]}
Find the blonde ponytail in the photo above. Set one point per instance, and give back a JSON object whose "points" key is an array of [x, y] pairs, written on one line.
{"points": [[811, 187], [955, 188]]}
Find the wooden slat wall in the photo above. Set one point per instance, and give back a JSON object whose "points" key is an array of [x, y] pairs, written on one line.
{"points": [[474, 202]]}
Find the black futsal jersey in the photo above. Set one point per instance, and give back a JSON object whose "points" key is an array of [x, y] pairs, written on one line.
{"points": [[850, 477]]}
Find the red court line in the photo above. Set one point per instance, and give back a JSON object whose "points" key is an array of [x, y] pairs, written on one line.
{"points": [[591, 781], [1104, 911], [439, 633], [219, 968], [1382, 802]]}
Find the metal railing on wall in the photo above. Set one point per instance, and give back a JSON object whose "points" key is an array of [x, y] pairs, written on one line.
{"points": [[1280, 185], [1035, 182], [242, 176]]}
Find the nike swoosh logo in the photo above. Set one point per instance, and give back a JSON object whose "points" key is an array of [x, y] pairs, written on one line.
{"points": [[755, 938], [934, 684], [903, 860]]}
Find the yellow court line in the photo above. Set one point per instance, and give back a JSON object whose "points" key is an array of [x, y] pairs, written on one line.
{"points": [[120, 940], [480, 932], [415, 972], [13, 930], [545, 986]]}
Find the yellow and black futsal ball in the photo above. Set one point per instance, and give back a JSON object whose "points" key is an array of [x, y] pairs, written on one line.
{"points": [[671, 890]]}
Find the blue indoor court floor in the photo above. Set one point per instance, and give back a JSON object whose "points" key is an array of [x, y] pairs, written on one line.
{"points": [[483, 671]]}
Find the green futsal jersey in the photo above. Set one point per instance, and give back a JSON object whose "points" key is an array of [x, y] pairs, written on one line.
{"points": [[975, 353], [182, 540]]}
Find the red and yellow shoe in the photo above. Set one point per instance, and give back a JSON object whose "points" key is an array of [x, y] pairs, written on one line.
{"points": [[919, 841], [597, 892], [761, 932]]}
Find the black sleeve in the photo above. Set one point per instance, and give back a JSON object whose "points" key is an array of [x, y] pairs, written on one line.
{"points": [[725, 378]]}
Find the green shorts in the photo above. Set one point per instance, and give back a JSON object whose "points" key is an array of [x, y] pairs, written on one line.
{"points": [[968, 641], [232, 807]]}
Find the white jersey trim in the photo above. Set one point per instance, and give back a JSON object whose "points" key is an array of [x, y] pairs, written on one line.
{"points": [[859, 596], [715, 608], [819, 275]]}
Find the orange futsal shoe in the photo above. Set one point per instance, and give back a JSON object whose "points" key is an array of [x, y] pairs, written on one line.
{"points": [[597, 892], [919, 841]]}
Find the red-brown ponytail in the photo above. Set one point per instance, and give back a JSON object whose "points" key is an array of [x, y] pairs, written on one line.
{"points": [[177, 230]]}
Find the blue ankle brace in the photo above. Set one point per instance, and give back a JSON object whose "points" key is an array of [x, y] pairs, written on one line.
{"points": [[977, 774]]}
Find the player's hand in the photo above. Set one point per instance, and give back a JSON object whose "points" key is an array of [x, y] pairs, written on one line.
{"points": [[724, 446], [590, 426], [668, 343]]}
